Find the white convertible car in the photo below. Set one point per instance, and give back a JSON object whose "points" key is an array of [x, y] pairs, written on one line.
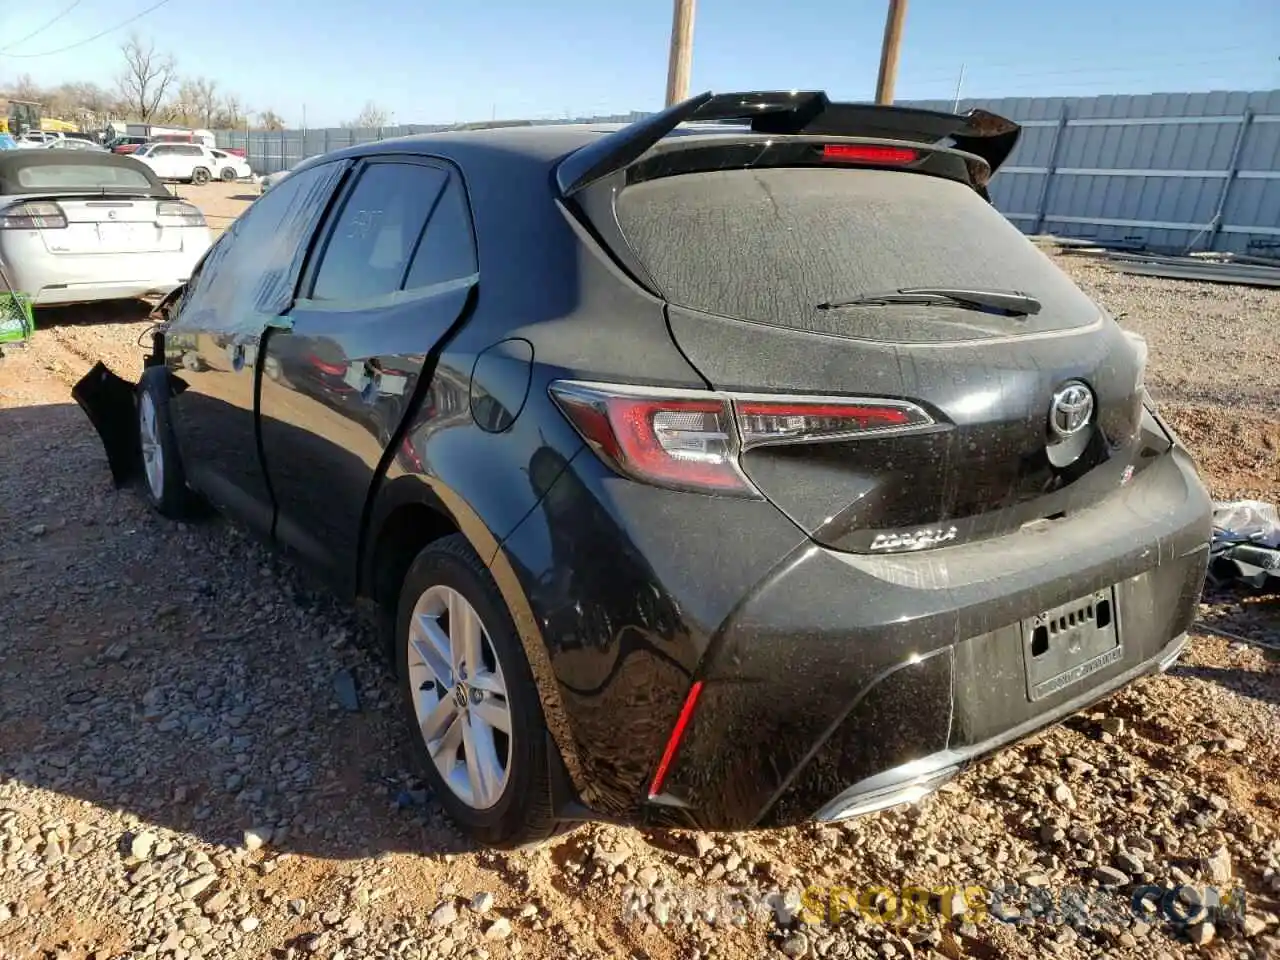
{"points": [[80, 226]]}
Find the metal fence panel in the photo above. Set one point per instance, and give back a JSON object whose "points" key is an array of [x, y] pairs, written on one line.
{"points": [[1175, 170]]}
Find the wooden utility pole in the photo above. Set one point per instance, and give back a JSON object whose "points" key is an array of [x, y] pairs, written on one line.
{"points": [[889, 51], [680, 63]]}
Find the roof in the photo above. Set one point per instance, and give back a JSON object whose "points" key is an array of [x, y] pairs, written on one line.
{"points": [[13, 161]]}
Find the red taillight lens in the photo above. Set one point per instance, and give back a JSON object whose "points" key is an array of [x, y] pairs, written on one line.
{"points": [[33, 215], [769, 422], [682, 441], [673, 741], [869, 153], [692, 441]]}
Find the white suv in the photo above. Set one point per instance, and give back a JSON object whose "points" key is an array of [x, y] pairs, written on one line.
{"points": [[193, 162]]}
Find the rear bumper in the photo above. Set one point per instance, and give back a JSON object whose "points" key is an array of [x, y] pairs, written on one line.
{"points": [[846, 680], [73, 278], [832, 683], [915, 779]]}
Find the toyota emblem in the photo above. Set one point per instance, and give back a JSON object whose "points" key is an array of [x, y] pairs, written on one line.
{"points": [[1071, 409], [111, 214]]}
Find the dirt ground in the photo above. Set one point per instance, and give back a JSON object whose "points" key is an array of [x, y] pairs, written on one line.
{"points": [[179, 778]]}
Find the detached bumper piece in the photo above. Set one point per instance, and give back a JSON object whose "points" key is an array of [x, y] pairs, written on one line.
{"points": [[108, 402]]}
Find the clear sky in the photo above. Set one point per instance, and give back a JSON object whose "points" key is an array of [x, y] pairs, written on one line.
{"points": [[428, 61]]}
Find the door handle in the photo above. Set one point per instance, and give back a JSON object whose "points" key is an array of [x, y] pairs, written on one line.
{"points": [[237, 357]]}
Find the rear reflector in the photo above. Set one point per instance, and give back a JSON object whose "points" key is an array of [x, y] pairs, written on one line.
{"points": [[33, 215], [691, 440], [673, 741], [869, 153]]}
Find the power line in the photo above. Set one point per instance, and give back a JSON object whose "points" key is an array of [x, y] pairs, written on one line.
{"points": [[42, 28], [96, 36]]}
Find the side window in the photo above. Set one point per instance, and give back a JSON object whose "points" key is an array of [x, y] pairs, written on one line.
{"points": [[252, 271], [188, 151], [160, 151], [447, 248], [375, 233]]}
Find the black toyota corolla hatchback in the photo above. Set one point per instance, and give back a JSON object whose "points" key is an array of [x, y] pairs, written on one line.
{"points": [[736, 467]]}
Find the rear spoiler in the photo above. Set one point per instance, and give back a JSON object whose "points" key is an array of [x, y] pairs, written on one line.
{"points": [[985, 135]]}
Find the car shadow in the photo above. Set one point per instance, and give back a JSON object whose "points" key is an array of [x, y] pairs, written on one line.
{"points": [[88, 314], [186, 674], [249, 197]]}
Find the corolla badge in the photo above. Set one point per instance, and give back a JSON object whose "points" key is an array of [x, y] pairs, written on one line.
{"points": [[1071, 409], [916, 540]]}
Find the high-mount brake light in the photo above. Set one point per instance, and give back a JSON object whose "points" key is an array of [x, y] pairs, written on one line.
{"points": [[691, 440], [869, 153], [33, 215]]}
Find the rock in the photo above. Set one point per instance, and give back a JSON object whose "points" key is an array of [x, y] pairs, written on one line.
{"points": [[199, 885], [1112, 725], [1218, 866], [1253, 925], [648, 876], [1234, 745], [1218, 802], [344, 687], [250, 924], [1201, 933], [297, 907], [1110, 877], [499, 929], [703, 843], [256, 837], [444, 915], [1129, 863], [1051, 834], [141, 845], [795, 945], [482, 902], [218, 902], [1062, 795]]}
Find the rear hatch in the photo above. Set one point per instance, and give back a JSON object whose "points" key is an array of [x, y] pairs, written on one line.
{"points": [[758, 266]]}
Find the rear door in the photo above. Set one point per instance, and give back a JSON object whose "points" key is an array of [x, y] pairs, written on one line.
{"points": [[391, 278], [244, 285], [746, 260]]}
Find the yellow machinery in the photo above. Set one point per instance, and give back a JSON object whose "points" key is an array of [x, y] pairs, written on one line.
{"points": [[19, 116]]}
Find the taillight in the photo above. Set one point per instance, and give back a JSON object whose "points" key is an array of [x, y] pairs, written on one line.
{"points": [[869, 153], [33, 215], [177, 213], [689, 440]]}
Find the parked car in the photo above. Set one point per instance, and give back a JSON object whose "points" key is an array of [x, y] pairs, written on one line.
{"points": [[127, 144], [192, 162], [746, 473], [7, 142], [75, 143], [86, 225], [271, 179]]}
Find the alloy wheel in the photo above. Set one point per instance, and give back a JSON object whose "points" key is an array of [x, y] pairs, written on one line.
{"points": [[152, 451], [459, 696]]}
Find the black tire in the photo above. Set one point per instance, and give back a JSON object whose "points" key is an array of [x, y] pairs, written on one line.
{"points": [[167, 491], [201, 176], [523, 814], [228, 175]]}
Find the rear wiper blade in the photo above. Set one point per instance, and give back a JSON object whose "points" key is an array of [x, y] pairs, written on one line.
{"points": [[1007, 303]]}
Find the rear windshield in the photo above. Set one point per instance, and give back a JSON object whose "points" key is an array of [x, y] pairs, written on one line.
{"points": [[75, 176], [768, 245]]}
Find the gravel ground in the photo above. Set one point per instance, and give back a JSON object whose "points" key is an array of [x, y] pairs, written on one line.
{"points": [[180, 777]]}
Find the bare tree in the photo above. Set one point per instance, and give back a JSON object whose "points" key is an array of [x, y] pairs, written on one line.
{"points": [[24, 88], [370, 116], [270, 120], [231, 115], [147, 78]]}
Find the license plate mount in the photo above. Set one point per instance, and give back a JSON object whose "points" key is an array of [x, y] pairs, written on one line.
{"points": [[1064, 645]]}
